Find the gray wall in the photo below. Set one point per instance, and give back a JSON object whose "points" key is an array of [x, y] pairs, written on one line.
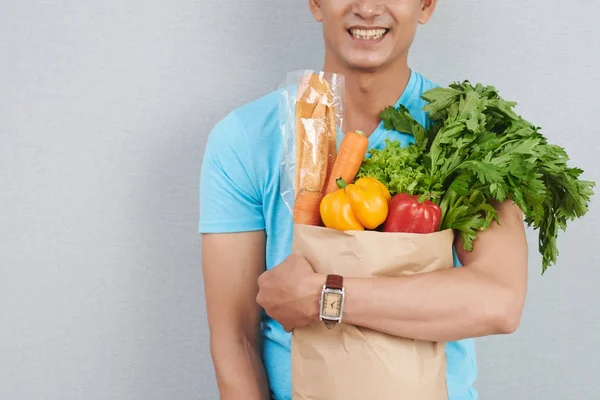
{"points": [[104, 112]]}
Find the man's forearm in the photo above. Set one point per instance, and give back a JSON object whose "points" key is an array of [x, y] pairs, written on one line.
{"points": [[240, 371], [446, 305], [484, 297]]}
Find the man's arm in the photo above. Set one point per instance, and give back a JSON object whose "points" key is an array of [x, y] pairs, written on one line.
{"points": [[484, 297], [232, 264]]}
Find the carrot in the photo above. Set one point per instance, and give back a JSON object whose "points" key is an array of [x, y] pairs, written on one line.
{"points": [[307, 207], [351, 154]]}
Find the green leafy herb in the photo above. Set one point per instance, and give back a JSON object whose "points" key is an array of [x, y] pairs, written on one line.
{"points": [[477, 151]]}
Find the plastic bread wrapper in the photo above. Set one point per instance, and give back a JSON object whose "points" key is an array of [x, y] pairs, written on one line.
{"points": [[311, 115]]}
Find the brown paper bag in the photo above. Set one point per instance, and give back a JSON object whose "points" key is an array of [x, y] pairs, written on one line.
{"points": [[350, 362]]}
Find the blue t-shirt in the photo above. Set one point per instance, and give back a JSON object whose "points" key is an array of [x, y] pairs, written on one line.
{"points": [[240, 191]]}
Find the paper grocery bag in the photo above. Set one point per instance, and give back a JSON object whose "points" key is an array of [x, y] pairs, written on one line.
{"points": [[350, 362]]}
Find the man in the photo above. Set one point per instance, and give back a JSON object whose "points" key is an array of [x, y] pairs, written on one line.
{"points": [[247, 228]]}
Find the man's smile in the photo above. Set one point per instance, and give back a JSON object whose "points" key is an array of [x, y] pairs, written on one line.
{"points": [[367, 34]]}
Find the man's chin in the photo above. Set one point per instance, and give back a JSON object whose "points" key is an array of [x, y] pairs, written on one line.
{"points": [[366, 66]]}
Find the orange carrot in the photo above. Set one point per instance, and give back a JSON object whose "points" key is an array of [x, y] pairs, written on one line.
{"points": [[350, 156], [307, 207]]}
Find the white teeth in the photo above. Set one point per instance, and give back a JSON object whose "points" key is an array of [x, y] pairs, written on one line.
{"points": [[368, 34]]}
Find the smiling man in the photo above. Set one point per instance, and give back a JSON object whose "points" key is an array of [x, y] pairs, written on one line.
{"points": [[247, 229]]}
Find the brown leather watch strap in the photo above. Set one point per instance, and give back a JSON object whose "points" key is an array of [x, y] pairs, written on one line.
{"points": [[334, 282]]}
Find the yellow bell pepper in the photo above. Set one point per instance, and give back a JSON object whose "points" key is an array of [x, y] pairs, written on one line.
{"points": [[383, 188], [356, 206]]}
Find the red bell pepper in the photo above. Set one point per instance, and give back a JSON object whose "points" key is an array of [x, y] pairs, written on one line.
{"points": [[407, 214]]}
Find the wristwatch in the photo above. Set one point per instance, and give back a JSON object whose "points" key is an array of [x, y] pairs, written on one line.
{"points": [[332, 300]]}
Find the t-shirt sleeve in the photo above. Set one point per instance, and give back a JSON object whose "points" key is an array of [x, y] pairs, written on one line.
{"points": [[230, 200]]}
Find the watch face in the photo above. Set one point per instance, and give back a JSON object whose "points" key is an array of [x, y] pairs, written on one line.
{"points": [[332, 303]]}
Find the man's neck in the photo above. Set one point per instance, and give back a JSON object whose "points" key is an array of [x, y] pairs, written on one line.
{"points": [[367, 94]]}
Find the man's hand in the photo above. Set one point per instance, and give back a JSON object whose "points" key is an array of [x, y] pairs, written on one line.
{"points": [[289, 293]]}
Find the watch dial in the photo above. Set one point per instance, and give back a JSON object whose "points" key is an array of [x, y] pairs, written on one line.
{"points": [[332, 304]]}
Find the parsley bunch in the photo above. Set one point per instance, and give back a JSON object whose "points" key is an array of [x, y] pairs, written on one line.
{"points": [[478, 151]]}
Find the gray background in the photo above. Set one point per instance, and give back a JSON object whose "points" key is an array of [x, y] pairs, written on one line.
{"points": [[105, 108]]}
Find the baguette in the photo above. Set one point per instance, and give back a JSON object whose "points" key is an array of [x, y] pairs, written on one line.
{"points": [[315, 146], [332, 130], [315, 133]]}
